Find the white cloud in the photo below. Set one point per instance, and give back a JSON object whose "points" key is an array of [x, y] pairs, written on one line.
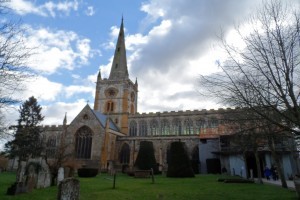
{"points": [[90, 11], [78, 89], [57, 49], [42, 89], [24, 7], [55, 113]]}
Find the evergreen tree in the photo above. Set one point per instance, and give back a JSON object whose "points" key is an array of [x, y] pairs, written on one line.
{"points": [[27, 142], [146, 158], [179, 164]]}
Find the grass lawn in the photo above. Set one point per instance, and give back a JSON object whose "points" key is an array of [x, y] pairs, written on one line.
{"points": [[129, 188]]}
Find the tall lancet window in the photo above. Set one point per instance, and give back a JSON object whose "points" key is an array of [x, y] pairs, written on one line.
{"points": [[83, 143]]}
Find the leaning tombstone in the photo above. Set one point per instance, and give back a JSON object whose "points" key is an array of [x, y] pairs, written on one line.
{"points": [[60, 175], [68, 189]]}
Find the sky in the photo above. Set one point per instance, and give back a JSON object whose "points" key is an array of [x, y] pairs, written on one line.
{"points": [[170, 43]]}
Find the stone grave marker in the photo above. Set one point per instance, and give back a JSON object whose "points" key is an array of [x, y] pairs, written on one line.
{"points": [[68, 189], [60, 175]]}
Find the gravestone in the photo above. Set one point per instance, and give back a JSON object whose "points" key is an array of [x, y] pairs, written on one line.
{"points": [[68, 189], [60, 175], [44, 176], [31, 177]]}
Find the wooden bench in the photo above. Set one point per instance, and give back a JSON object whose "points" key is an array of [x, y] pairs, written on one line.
{"points": [[142, 173]]}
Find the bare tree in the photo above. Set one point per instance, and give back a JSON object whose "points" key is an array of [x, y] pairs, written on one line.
{"points": [[14, 56], [264, 74], [252, 133]]}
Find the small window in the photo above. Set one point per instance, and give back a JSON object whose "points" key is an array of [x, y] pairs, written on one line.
{"points": [[118, 49], [116, 65], [110, 106]]}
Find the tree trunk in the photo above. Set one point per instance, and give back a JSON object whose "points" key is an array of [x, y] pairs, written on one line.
{"points": [[19, 169], [259, 177], [278, 165]]}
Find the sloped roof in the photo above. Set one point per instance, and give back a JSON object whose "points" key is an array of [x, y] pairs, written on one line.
{"points": [[102, 118]]}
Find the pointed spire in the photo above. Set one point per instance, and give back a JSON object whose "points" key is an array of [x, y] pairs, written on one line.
{"points": [[119, 68], [65, 120], [99, 76], [136, 82]]}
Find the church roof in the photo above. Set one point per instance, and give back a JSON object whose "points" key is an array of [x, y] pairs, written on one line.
{"points": [[119, 70], [102, 118]]}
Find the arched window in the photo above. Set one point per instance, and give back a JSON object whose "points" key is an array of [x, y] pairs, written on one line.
{"points": [[201, 126], [176, 127], [165, 127], [133, 128], [142, 128], [51, 147], [213, 123], [83, 143], [154, 127], [188, 127], [125, 154], [110, 106]]}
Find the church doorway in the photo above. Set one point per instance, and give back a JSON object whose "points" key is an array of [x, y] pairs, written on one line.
{"points": [[251, 164], [195, 159]]}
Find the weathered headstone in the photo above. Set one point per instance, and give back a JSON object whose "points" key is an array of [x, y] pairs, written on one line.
{"points": [[31, 177], [68, 189], [60, 175], [44, 176]]}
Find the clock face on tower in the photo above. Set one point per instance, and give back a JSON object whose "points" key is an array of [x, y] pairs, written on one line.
{"points": [[111, 92]]}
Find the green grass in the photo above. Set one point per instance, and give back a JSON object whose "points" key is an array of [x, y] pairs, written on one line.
{"points": [[129, 188]]}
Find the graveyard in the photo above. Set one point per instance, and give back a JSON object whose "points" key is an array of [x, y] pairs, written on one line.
{"points": [[127, 187]]}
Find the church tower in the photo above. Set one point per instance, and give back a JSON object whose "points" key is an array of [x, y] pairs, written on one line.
{"points": [[117, 95]]}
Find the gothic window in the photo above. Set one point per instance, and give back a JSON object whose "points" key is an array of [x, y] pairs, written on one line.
{"points": [[125, 154], [109, 106], [176, 127], [51, 147], [154, 127], [143, 128], [132, 128], [201, 126], [213, 123], [165, 127], [188, 127], [83, 143]]}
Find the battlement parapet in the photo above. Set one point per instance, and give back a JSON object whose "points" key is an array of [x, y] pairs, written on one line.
{"points": [[184, 113], [52, 127]]}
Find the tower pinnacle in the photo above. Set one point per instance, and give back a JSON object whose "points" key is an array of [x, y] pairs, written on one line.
{"points": [[119, 69]]}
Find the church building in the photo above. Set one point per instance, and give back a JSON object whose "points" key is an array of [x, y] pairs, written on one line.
{"points": [[108, 135]]}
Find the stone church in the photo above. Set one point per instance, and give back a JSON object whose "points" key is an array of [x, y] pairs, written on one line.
{"points": [[108, 135]]}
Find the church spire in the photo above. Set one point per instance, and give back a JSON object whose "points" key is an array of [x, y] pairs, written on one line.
{"points": [[119, 69], [99, 76]]}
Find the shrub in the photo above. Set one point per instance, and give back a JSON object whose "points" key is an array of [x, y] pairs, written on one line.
{"points": [[146, 158], [179, 163], [87, 172]]}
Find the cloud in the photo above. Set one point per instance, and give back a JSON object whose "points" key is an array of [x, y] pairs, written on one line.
{"points": [[180, 44], [90, 11], [55, 49], [78, 89], [55, 113], [49, 8]]}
